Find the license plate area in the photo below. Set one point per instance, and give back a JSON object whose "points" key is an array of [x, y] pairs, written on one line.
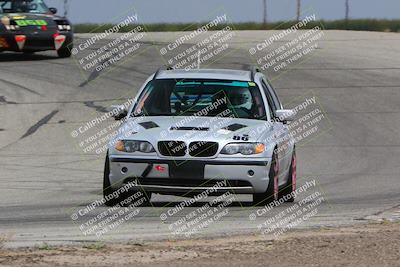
{"points": [[186, 169]]}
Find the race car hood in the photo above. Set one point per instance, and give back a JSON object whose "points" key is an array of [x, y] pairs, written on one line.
{"points": [[188, 129]]}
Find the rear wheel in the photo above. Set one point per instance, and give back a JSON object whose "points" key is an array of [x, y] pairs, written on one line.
{"points": [[112, 197], [291, 183], [272, 192]]}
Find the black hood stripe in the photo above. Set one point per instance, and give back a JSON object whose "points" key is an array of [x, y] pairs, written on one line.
{"points": [[188, 128]]}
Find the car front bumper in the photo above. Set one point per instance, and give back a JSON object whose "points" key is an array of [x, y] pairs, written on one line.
{"points": [[191, 176], [33, 42]]}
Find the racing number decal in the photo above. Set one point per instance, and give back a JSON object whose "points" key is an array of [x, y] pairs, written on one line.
{"points": [[30, 22], [244, 137]]}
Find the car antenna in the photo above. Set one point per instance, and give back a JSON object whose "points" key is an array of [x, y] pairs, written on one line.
{"points": [[164, 67], [253, 71]]}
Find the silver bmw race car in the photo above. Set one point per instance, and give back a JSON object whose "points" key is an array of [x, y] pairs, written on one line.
{"points": [[189, 131]]}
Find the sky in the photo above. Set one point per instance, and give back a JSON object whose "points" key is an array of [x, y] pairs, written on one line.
{"points": [[154, 11]]}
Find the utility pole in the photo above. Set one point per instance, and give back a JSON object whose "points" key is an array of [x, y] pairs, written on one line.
{"points": [[265, 13], [298, 9], [347, 14], [65, 8]]}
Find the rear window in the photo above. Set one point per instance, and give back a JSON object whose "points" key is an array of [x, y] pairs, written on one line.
{"points": [[23, 6]]}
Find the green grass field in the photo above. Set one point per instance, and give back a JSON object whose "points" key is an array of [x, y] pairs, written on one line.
{"points": [[355, 25]]}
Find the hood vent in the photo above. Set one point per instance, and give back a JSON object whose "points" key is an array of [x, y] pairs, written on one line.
{"points": [[174, 128], [149, 125], [234, 127]]}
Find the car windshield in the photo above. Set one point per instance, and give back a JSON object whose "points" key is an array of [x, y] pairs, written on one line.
{"points": [[23, 6], [209, 98]]}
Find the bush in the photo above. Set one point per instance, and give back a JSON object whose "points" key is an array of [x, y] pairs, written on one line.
{"points": [[355, 25]]}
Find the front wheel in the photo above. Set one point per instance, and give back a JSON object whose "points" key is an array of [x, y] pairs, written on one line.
{"points": [[290, 186], [64, 52], [272, 193], [110, 195], [113, 197]]}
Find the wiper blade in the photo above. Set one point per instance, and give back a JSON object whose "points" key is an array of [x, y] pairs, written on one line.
{"points": [[160, 114]]}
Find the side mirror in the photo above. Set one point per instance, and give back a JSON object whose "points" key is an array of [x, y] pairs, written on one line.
{"points": [[53, 10], [118, 112], [285, 115]]}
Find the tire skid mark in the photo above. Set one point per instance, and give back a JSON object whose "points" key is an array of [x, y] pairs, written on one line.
{"points": [[91, 104], [40, 123], [4, 100], [20, 86], [95, 73]]}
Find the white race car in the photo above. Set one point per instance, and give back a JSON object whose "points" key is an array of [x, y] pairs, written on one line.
{"points": [[189, 131]]}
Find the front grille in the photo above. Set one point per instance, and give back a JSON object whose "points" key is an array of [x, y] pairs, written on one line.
{"points": [[203, 149], [172, 148]]}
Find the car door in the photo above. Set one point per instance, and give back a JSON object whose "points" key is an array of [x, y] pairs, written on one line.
{"points": [[281, 131]]}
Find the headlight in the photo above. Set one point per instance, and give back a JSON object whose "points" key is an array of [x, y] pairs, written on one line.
{"points": [[243, 148], [146, 147], [131, 146]]}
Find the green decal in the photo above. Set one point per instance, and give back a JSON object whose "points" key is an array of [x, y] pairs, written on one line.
{"points": [[31, 22]]}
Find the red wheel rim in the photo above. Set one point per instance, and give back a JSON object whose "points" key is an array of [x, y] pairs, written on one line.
{"points": [[276, 178], [294, 162]]}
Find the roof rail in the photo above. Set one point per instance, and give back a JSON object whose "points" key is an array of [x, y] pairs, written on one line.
{"points": [[164, 67]]}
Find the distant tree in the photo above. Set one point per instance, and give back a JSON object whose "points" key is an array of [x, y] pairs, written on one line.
{"points": [[265, 13], [347, 10]]}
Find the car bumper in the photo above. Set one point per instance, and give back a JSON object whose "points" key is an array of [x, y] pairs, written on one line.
{"points": [[33, 42], [191, 176]]}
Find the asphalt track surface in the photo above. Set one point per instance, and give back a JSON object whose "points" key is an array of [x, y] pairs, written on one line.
{"points": [[45, 176]]}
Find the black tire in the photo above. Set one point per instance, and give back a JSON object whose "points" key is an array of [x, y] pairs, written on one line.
{"points": [[64, 52], [261, 199], [109, 191], [291, 183], [28, 53]]}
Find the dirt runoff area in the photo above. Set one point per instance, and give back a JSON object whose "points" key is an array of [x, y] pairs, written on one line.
{"points": [[366, 245]]}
